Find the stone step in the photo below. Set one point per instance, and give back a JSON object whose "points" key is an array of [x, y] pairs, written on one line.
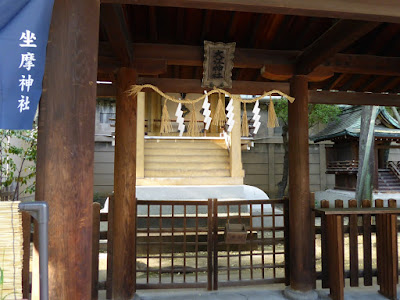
{"points": [[149, 165], [189, 181], [186, 159], [389, 177], [184, 145], [184, 151], [186, 173], [387, 181]]}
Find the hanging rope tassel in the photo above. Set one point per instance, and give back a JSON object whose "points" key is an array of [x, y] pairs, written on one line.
{"points": [[219, 118], [166, 126], [193, 128], [272, 118], [134, 90], [245, 122]]}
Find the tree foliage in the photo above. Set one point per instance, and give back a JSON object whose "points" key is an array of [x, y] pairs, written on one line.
{"points": [[317, 113], [18, 151]]}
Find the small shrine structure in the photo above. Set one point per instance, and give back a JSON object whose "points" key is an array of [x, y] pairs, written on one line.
{"points": [[342, 156], [305, 49]]}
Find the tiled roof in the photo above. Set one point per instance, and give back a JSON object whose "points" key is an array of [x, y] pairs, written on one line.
{"points": [[349, 123]]}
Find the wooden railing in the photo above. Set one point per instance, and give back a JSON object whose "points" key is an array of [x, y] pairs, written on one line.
{"points": [[339, 224], [344, 166], [188, 244], [395, 167], [181, 244], [266, 231]]}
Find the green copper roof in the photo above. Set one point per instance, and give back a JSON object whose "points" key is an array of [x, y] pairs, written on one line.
{"points": [[349, 123]]}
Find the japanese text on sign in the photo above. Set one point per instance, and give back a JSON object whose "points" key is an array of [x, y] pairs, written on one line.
{"points": [[28, 40]]}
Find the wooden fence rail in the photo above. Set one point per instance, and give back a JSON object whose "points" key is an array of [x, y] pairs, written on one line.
{"points": [[379, 223], [167, 230], [354, 227]]}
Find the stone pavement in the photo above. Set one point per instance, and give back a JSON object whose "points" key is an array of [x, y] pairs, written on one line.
{"points": [[251, 293]]}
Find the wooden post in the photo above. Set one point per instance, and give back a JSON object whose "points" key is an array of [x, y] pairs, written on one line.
{"points": [[322, 167], [64, 177], [140, 135], [150, 122], [155, 113], [213, 107], [95, 250], [301, 238], [335, 254], [353, 240], [387, 253], [287, 239], [324, 247], [210, 243], [110, 235], [236, 152], [26, 229], [124, 262], [367, 246], [272, 186]]}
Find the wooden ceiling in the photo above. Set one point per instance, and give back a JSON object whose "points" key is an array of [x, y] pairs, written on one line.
{"points": [[166, 43]]}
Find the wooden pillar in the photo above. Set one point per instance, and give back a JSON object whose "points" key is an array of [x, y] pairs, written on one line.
{"points": [[336, 257], [26, 229], [149, 123], [95, 250], [301, 239], [322, 167], [213, 107], [140, 135], [236, 151], [65, 158], [124, 264], [155, 113], [271, 169]]}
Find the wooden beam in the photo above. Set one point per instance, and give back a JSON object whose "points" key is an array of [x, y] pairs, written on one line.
{"points": [[150, 66], [363, 64], [342, 34], [112, 18], [340, 63], [184, 55], [354, 98], [347, 86], [172, 85], [207, 14], [143, 66], [301, 237], [194, 86], [337, 81], [64, 177], [124, 226], [395, 82], [285, 72], [106, 91], [382, 11], [153, 23]]}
